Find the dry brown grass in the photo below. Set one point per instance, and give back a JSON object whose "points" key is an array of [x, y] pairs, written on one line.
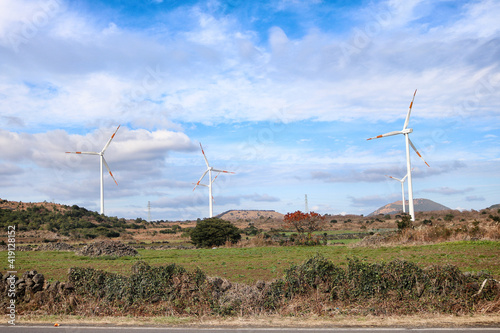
{"points": [[437, 234], [429, 320]]}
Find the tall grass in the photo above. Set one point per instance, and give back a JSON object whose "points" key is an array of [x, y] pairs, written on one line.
{"points": [[442, 233]]}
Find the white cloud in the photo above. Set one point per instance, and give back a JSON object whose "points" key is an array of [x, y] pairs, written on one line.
{"points": [[48, 149], [448, 190], [304, 75], [480, 20]]}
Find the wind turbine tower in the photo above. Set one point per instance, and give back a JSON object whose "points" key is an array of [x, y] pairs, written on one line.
{"points": [[210, 181], [402, 181], [406, 132], [307, 206], [102, 161]]}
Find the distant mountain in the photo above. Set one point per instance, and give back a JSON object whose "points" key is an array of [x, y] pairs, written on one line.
{"points": [[497, 206], [420, 205], [234, 215]]}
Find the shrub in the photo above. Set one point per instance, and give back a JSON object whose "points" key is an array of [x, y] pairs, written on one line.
{"points": [[448, 217], [112, 234], [427, 222], [495, 218], [214, 232], [317, 286], [167, 231], [405, 222]]}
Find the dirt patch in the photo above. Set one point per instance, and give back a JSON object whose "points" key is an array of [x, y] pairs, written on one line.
{"points": [[107, 248]]}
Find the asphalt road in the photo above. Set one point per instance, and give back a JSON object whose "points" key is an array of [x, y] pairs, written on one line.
{"points": [[89, 329]]}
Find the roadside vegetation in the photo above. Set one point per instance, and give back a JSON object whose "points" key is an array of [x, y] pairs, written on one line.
{"points": [[316, 286]]}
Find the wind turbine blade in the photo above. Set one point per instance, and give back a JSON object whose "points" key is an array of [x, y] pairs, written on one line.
{"points": [[386, 134], [198, 183], [416, 151], [217, 175], [109, 141], [82, 152], [223, 171], [204, 156], [407, 120], [394, 178], [107, 167]]}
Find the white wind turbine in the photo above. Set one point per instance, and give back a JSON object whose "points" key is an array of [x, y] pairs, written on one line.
{"points": [[406, 131], [402, 181], [210, 180], [102, 161]]}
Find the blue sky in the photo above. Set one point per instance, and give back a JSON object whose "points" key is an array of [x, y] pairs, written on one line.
{"points": [[284, 93]]}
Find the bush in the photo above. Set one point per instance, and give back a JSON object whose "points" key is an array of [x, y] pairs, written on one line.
{"points": [[167, 231], [318, 286], [495, 218], [214, 232], [405, 222], [251, 231], [112, 234]]}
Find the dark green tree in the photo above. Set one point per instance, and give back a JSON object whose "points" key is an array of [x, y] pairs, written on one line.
{"points": [[214, 232]]}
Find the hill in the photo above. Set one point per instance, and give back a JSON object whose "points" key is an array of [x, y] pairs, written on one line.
{"points": [[19, 205], [251, 215], [69, 221], [420, 205]]}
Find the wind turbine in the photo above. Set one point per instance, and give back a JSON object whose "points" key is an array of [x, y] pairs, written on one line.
{"points": [[406, 131], [210, 180], [402, 181], [102, 161]]}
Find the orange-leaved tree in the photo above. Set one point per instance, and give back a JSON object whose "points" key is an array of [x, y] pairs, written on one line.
{"points": [[304, 222]]}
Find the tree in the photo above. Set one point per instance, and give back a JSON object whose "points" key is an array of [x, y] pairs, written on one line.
{"points": [[304, 222], [214, 232]]}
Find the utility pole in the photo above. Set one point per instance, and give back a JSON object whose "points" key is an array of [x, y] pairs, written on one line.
{"points": [[149, 211]]}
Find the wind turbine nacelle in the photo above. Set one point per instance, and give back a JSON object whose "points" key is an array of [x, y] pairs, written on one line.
{"points": [[407, 130]]}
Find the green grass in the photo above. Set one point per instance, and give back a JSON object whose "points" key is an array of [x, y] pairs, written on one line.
{"points": [[247, 265], [344, 241]]}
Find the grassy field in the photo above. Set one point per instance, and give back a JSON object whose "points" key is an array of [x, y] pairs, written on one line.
{"points": [[248, 265]]}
